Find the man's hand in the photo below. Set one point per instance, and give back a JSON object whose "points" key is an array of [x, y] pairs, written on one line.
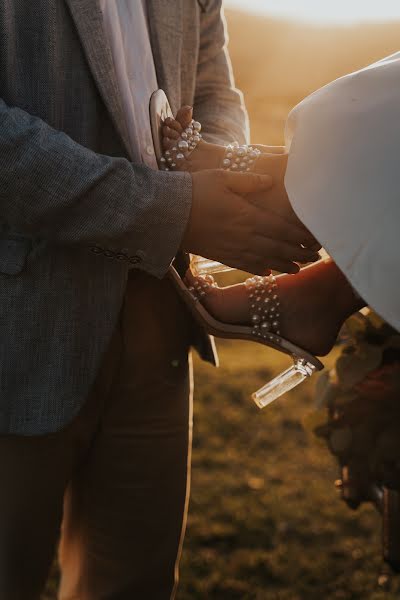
{"points": [[275, 164], [225, 225]]}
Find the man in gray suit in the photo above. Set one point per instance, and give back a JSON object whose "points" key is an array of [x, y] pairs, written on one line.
{"points": [[94, 372]]}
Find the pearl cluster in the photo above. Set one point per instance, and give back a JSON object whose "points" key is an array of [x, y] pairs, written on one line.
{"points": [[264, 307], [264, 303], [240, 158], [187, 142], [202, 285]]}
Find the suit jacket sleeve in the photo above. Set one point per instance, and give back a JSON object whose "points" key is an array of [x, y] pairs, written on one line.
{"points": [[53, 188], [218, 104]]}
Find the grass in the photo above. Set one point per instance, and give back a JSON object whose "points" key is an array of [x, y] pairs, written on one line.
{"points": [[265, 522]]}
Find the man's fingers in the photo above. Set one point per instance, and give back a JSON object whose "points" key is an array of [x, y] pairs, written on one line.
{"points": [[247, 183], [316, 246], [288, 252], [270, 225], [259, 266], [274, 252], [285, 267]]}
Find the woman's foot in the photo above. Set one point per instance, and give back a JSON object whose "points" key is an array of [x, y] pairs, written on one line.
{"points": [[313, 305]]}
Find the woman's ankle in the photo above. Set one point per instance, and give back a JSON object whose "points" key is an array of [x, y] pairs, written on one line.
{"points": [[345, 298]]}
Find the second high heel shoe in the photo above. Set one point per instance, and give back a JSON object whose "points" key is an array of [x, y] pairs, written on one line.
{"points": [[264, 329]]}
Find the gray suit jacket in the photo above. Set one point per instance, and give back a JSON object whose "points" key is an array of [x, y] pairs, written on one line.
{"points": [[75, 213]]}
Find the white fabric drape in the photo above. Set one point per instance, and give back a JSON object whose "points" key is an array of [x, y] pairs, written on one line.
{"points": [[343, 178]]}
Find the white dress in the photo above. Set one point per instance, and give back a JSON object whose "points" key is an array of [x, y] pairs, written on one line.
{"points": [[343, 178]]}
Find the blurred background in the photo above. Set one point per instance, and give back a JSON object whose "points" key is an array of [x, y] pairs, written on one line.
{"points": [[265, 521], [284, 50]]}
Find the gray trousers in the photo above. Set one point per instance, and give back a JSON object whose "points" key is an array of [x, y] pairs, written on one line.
{"points": [[117, 478]]}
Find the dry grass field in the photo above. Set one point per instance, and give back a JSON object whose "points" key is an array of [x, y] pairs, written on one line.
{"points": [[265, 522]]}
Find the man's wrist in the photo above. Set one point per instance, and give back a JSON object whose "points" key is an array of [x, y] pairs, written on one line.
{"points": [[171, 207]]}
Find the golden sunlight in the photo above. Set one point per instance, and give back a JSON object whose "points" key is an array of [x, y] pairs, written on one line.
{"points": [[339, 11]]}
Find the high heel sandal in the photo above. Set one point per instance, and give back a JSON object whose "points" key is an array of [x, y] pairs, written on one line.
{"points": [[264, 315], [160, 109]]}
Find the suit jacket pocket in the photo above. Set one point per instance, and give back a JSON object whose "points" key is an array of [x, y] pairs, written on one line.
{"points": [[14, 252]]}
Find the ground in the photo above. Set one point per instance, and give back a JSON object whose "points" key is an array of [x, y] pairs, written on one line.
{"points": [[265, 521]]}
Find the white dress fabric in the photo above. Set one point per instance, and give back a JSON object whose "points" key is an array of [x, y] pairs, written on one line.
{"points": [[343, 178]]}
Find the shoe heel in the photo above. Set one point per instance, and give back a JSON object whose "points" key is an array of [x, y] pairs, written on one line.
{"points": [[289, 379], [205, 266]]}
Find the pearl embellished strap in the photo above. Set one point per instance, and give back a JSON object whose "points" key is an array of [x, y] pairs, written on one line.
{"points": [[187, 143], [240, 158], [202, 285], [264, 303], [264, 307]]}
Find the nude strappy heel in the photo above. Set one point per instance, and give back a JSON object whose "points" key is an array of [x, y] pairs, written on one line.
{"points": [[264, 329], [159, 110]]}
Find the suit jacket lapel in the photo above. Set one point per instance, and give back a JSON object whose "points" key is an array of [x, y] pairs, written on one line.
{"points": [[89, 23], [165, 22]]}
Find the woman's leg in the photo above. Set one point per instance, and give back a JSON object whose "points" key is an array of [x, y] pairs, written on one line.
{"points": [[314, 305]]}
